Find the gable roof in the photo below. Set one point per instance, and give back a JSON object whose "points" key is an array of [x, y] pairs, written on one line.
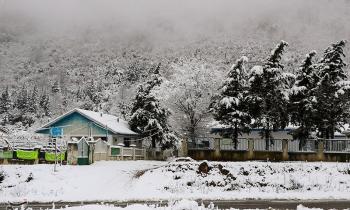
{"points": [[111, 122]]}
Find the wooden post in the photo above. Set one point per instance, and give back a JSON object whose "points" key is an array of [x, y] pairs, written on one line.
{"points": [[5, 161], [320, 150], [121, 153], [285, 155], [250, 149]]}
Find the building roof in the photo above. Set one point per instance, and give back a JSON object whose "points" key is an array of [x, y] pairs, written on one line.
{"points": [[111, 122]]}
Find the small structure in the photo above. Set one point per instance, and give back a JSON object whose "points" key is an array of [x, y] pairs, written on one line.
{"points": [[78, 152], [79, 123]]}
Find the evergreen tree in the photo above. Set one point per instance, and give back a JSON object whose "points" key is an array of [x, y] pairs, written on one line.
{"points": [[230, 107], [5, 101], [332, 93], [268, 98], [22, 99], [148, 118], [33, 101], [302, 100], [94, 93], [44, 104]]}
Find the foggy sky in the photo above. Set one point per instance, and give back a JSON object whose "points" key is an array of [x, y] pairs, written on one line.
{"points": [[177, 21]]}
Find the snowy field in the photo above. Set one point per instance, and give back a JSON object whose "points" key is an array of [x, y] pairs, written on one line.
{"points": [[179, 205], [156, 181]]}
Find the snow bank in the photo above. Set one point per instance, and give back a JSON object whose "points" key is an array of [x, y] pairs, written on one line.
{"points": [[178, 205], [157, 181]]}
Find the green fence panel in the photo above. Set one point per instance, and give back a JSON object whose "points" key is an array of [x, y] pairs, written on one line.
{"points": [[115, 151], [27, 155], [6, 154], [50, 156]]}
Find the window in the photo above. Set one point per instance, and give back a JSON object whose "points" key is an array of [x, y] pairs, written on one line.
{"points": [[127, 142]]}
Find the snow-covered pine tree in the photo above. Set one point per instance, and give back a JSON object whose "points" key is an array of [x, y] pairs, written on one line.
{"points": [[302, 99], [268, 98], [5, 101], [230, 106], [22, 99], [33, 101], [332, 92], [148, 118], [44, 104], [93, 91]]}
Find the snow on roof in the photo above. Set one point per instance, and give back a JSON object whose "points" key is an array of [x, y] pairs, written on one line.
{"points": [[111, 122]]}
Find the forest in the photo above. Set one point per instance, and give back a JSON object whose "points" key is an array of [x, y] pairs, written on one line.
{"points": [[95, 56]]}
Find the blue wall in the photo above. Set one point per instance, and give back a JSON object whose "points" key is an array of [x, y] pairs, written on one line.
{"points": [[77, 125]]}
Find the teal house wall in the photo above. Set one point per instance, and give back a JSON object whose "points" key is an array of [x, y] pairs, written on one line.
{"points": [[79, 123], [75, 124]]}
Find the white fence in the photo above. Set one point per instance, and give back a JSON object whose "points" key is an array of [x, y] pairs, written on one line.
{"points": [[337, 145], [310, 145], [228, 144], [126, 153], [274, 145], [201, 143]]}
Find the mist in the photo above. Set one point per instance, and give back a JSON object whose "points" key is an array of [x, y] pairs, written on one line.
{"points": [[164, 23]]}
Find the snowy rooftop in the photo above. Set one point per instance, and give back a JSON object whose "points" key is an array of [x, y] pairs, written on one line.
{"points": [[113, 123]]}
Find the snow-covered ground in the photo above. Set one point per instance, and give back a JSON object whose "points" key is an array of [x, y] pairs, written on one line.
{"points": [[152, 180], [179, 205]]}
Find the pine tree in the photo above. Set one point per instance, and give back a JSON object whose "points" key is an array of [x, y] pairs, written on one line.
{"points": [[5, 101], [332, 92], [22, 99], [302, 100], [94, 93], [148, 117], [33, 101], [268, 98], [230, 107], [44, 104]]}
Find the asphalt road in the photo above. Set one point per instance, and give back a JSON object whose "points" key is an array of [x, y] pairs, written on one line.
{"points": [[239, 204]]}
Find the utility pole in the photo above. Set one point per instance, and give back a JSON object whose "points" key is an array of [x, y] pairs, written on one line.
{"points": [[55, 142]]}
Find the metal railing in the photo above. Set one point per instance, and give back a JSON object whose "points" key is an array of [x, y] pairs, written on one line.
{"points": [[228, 144], [337, 145], [201, 143], [273, 146], [310, 145]]}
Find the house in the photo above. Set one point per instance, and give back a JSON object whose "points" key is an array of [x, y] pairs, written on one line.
{"points": [[79, 123]]}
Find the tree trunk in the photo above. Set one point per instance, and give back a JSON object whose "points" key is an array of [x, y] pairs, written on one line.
{"points": [[267, 137], [236, 136]]}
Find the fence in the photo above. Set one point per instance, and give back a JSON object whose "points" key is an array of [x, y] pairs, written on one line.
{"points": [[337, 145], [273, 145], [228, 144], [201, 143], [121, 153], [309, 145], [275, 150]]}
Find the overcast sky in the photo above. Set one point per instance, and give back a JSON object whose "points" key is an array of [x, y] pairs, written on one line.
{"points": [[186, 20]]}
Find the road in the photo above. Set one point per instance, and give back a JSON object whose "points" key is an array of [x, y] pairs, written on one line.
{"points": [[239, 204]]}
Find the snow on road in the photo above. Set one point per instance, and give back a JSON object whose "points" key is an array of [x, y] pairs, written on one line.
{"points": [[152, 180]]}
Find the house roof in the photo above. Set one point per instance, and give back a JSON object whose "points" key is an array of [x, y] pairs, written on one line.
{"points": [[111, 122]]}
